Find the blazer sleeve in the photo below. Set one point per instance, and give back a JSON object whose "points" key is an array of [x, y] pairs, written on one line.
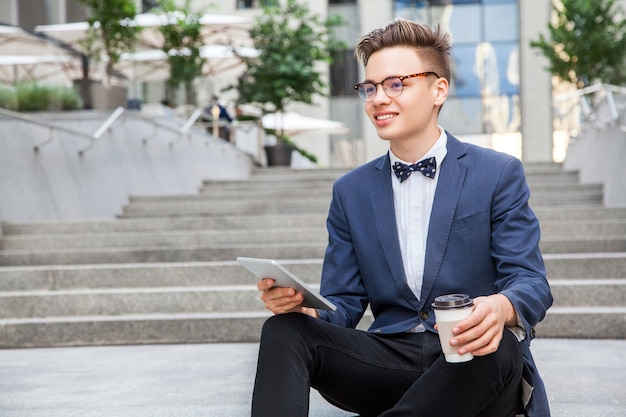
{"points": [[515, 248], [341, 280]]}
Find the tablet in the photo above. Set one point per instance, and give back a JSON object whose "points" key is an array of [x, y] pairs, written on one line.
{"points": [[269, 268]]}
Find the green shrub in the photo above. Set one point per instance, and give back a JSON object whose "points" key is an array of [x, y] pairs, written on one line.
{"points": [[36, 97], [70, 99], [8, 100]]}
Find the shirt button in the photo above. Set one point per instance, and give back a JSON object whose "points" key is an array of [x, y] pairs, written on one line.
{"points": [[423, 315]]}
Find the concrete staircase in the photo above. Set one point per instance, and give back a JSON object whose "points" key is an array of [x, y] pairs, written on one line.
{"points": [[165, 271]]}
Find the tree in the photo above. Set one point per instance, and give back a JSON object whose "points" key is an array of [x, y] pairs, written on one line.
{"points": [[291, 41], [587, 42], [182, 42], [111, 30]]}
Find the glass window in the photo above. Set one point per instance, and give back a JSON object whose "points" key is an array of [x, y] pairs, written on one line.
{"points": [[344, 73], [500, 2], [501, 22], [464, 22], [507, 62], [462, 116], [465, 81], [253, 4]]}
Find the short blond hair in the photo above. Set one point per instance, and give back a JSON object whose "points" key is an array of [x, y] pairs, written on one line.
{"points": [[432, 45]]}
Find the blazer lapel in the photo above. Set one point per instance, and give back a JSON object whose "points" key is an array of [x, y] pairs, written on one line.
{"points": [[381, 200], [449, 185]]}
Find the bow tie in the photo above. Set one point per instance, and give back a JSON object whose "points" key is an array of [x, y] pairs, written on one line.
{"points": [[427, 167]]}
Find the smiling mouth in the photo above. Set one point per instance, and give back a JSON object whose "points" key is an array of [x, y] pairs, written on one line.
{"points": [[386, 116]]}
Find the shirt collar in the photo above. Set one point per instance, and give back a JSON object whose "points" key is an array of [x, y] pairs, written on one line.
{"points": [[438, 150]]}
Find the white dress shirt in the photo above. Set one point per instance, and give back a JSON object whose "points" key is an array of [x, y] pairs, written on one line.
{"points": [[413, 202]]}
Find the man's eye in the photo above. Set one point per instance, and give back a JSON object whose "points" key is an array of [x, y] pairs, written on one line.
{"points": [[369, 88], [395, 84]]}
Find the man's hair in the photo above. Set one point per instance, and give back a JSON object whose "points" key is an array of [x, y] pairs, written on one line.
{"points": [[433, 46]]}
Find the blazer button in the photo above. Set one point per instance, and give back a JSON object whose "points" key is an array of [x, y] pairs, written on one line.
{"points": [[423, 315]]}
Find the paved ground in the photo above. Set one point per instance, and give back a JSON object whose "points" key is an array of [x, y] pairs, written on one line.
{"points": [[585, 378]]}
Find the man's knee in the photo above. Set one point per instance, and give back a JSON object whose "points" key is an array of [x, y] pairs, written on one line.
{"points": [[284, 327]]}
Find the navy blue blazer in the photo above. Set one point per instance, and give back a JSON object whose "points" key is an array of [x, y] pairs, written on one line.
{"points": [[483, 239]]}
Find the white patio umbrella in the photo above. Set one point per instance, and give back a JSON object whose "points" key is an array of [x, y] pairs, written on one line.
{"points": [[151, 65], [293, 123], [24, 68], [216, 29], [26, 56]]}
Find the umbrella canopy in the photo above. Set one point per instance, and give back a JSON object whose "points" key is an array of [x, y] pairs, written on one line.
{"points": [[25, 56], [151, 65], [149, 62], [293, 123], [216, 29], [25, 68]]}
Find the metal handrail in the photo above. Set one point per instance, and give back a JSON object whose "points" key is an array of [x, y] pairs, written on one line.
{"points": [[92, 138], [191, 120], [583, 103]]}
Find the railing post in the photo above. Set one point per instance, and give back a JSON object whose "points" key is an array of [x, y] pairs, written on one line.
{"points": [[188, 124], [108, 123]]}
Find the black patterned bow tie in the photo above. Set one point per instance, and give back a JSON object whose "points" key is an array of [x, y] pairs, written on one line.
{"points": [[427, 167]]}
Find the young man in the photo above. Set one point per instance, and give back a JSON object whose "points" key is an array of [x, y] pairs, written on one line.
{"points": [[459, 224]]}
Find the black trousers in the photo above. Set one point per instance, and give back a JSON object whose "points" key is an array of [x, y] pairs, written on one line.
{"points": [[379, 375]]}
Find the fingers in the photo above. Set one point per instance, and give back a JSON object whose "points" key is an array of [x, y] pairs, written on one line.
{"points": [[278, 299], [481, 332]]}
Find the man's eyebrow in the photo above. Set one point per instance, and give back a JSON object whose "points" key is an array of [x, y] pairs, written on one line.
{"points": [[386, 78]]}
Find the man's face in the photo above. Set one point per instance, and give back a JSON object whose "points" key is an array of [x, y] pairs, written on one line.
{"points": [[412, 114]]}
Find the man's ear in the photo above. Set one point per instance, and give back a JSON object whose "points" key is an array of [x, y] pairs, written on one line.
{"points": [[441, 91]]}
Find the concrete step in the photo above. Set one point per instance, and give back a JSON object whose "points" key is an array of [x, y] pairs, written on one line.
{"points": [[132, 329], [584, 323], [252, 192], [540, 194], [160, 254], [222, 252], [571, 322], [164, 239], [314, 233], [559, 195], [586, 265], [579, 212], [142, 275], [218, 208], [602, 227], [232, 298], [197, 274], [127, 301], [589, 292], [582, 244], [226, 222], [551, 224]]}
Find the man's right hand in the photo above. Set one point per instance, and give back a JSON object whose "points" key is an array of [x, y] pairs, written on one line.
{"points": [[280, 300]]}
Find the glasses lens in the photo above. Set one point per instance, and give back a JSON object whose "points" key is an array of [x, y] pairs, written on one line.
{"points": [[393, 87], [366, 91]]}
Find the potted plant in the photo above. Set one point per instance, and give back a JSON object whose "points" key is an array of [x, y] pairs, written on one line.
{"points": [[111, 32], [291, 42]]}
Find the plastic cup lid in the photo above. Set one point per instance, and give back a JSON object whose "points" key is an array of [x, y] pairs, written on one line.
{"points": [[448, 301]]}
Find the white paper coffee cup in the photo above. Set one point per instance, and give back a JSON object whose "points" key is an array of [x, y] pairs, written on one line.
{"points": [[449, 310]]}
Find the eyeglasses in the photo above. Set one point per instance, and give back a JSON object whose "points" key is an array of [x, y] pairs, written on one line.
{"points": [[392, 86]]}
